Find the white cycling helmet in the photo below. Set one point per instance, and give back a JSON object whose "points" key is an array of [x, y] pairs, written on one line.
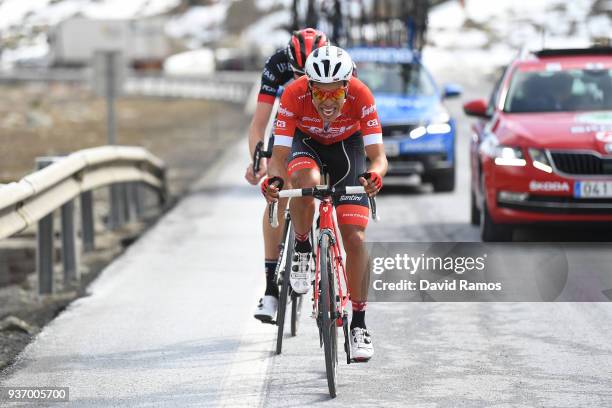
{"points": [[329, 64]]}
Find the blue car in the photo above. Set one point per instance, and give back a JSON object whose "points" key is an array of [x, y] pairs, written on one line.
{"points": [[418, 132]]}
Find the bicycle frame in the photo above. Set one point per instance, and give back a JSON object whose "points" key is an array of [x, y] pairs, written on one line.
{"points": [[328, 226], [330, 317]]}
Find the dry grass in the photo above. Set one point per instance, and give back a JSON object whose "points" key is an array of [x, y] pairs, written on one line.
{"points": [[38, 120]]}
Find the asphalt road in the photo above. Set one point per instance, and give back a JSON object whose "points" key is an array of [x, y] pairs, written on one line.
{"points": [[170, 322]]}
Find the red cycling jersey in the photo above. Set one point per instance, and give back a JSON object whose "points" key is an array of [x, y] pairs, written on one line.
{"points": [[297, 111]]}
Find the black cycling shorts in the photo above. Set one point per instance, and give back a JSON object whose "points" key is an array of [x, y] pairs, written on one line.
{"points": [[344, 161]]}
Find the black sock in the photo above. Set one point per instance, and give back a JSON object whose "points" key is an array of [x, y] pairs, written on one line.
{"points": [[302, 243], [358, 319], [271, 286]]}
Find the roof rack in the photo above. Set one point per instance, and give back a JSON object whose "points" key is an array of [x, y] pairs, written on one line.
{"points": [[574, 51]]}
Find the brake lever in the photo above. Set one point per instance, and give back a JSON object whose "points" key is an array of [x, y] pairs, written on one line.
{"points": [[375, 216], [273, 214], [257, 155]]}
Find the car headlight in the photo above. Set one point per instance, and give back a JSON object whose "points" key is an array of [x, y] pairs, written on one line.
{"points": [[540, 160], [438, 125], [509, 156], [438, 128], [439, 122], [418, 132], [433, 129]]}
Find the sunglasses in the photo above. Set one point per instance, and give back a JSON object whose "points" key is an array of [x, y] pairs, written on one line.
{"points": [[333, 95]]}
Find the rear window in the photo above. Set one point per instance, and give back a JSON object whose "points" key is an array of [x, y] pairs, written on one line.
{"points": [[571, 90]]}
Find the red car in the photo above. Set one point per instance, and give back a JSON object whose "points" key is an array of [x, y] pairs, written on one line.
{"points": [[541, 150]]}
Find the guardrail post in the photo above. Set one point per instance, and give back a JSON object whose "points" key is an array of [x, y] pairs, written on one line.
{"points": [[164, 193], [123, 203], [69, 254], [88, 234], [44, 243], [139, 199], [134, 205], [116, 214]]}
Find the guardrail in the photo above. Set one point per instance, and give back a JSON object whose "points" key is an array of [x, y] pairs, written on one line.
{"points": [[44, 75], [58, 182], [229, 86]]}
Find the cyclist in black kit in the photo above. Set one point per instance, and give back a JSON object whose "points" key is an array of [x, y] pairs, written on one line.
{"points": [[285, 65]]}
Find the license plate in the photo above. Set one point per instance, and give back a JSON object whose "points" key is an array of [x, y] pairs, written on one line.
{"points": [[392, 148], [593, 189]]}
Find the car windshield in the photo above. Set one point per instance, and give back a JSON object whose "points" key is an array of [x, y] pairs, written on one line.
{"points": [[560, 91], [400, 79]]}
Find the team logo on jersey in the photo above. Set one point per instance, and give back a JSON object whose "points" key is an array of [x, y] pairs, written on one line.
{"points": [[366, 111], [284, 111], [350, 198], [329, 133], [270, 76]]}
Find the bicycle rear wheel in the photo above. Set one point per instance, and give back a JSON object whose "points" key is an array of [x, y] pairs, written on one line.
{"points": [[327, 309], [284, 292]]}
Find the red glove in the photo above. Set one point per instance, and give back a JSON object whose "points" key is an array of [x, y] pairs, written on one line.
{"points": [[277, 181], [374, 178]]}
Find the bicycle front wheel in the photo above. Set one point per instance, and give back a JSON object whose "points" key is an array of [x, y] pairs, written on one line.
{"points": [[327, 309]]}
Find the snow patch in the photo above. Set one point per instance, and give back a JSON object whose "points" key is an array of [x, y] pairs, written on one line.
{"points": [[487, 34], [201, 24], [191, 63], [268, 33]]}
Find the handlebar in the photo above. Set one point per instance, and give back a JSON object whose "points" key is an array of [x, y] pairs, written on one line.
{"points": [[319, 192]]}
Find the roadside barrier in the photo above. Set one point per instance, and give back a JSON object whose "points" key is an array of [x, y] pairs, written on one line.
{"points": [[59, 181], [228, 86]]}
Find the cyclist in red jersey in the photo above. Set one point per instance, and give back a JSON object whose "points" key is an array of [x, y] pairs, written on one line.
{"points": [[281, 68], [328, 118]]}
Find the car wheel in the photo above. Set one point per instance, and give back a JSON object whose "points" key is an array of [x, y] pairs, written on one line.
{"points": [[444, 182], [490, 231], [474, 212]]}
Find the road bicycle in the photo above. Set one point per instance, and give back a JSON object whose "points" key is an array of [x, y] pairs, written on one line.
{"points": [[330, 295], [283, 267]]}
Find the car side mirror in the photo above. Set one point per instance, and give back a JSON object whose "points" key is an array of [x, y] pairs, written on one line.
{"points": [[476, 107], [452, 90]]}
